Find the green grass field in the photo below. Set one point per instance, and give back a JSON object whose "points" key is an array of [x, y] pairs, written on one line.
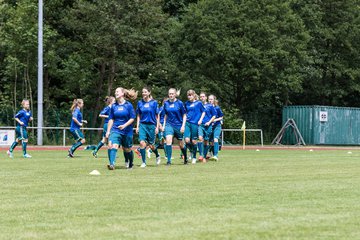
{"points": [[271, 194]]}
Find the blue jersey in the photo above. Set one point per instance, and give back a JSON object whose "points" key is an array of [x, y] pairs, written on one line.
{"points": [[121, 113], [24, 116], [78, 116], [219, 113], [174, 112], [106, 111], [194, 111], [161, 113], [209, 113], [147, 111]]}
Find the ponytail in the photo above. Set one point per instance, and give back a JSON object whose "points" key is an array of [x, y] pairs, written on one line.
{"points": [[130, 93], [76, 103]]}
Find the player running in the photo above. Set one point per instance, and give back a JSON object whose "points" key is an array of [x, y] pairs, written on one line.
{"points": [[194, 109], [174, 123], [104, 114], [75, 125], [216, 127], [205, 128], [120, 127], [147, 124], [22, 118]]}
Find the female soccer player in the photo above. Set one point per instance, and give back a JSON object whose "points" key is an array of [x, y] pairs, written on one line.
{"points": [[216, 128], [22, 118], [161, 115], [76, 123], [205, 128], [104, 114], [120, 127], [147, 124], [174, 123], [194, 109]]}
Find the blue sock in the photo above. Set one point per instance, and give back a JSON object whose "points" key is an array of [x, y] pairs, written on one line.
{"points": [[131, 159], [13, 146], [126, 157], [75, 146], [216, 148], [100, 144], [206, 149], [194, 150], [201, 148], [184, 152], [156, 152], [165, 150], [143, 155], [24, 144], [109, 151], [189, 146], [113, 156], [211, 149], [168, 152]]}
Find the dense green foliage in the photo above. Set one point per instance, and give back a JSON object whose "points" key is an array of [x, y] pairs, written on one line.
{"points": [[270, 194], [255, 56]]}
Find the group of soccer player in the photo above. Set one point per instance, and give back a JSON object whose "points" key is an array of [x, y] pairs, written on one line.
{"points": [[195, 124]]}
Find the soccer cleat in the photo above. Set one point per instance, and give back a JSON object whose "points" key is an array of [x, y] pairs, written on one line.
{"points": [[168, 164], [137, 151], [158, 160], [10, 154], [149, 153], [214, 158], [127, 164], [70, 155], [143, 165], [193, 161], [185, 162], [27, 155], [111, 167], [94, 154]]}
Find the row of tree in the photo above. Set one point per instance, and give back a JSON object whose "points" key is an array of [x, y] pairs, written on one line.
{"points": [[255, 56]]}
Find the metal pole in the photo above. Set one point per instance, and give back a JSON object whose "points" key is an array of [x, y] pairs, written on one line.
{"points": [[262, 138], [40, 76], [222, 138], [64, 137]]}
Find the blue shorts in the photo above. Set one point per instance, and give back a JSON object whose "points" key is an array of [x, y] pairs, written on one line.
{"points": [[216, 131], [77, 134], [104, 130], [122, 140], [21, 133], [191, 131], [173, 131], [205, 131], [147, 133]]}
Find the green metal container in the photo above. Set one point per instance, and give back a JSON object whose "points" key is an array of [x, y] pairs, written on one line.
{"points": [[324, 125]]}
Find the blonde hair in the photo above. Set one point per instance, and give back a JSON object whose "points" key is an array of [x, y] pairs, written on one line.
{"points": [[24, 101], [216, 102], [192, 92], [109, 99], [177, 91], [76, 103], [129, 93]]}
